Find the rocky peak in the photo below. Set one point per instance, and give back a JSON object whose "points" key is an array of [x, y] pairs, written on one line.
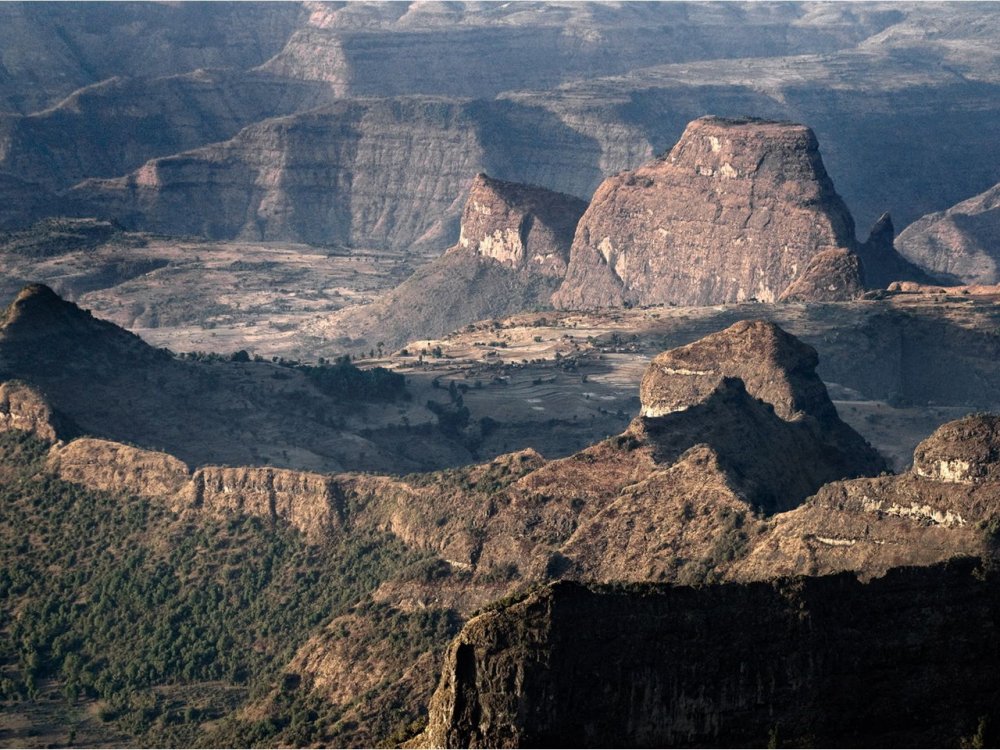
{"points": [[40, 330], [734, 212], [522, 226], [774, 366], [882, 263], [966, 451]]}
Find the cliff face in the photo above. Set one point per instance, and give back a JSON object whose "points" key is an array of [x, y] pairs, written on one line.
{"points": [[112, 127], [309, 502], [511, 255], [735, 211], [335, 176], [24, 408], [519, 225], [959, 244], [829, 661]]}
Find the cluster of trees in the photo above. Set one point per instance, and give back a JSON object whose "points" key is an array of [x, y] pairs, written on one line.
{"points": [[115, 598]]}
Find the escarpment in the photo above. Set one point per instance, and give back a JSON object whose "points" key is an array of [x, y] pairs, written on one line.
{"points": [[905, 660], [511, 255], [311, 503]]}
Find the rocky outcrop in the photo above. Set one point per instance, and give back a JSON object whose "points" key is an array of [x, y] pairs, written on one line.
{"points": [[831, 276], [963, 452], [735, 211], [960, 244], [905, 660], [520, 226], [882, 264], [113, 467], [511, 255], [934, 512], [311, 503], [24, 408], [733, 428]]}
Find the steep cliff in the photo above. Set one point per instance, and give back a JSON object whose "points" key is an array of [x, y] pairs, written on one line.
{"points": [[309, 502], [511, 255], [960, 243], [112, 127], [24, 408], [359, 173], [827, 661], [735, 211]]}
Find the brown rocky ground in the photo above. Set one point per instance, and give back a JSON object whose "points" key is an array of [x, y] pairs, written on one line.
{"points": [[683, 495]]}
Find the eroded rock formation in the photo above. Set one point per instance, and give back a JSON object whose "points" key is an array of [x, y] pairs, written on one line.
{"points": [[24, 408], [511, 255], [831, 276], [735, 211]]}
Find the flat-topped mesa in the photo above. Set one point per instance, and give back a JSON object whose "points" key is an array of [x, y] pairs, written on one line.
{"points": [[774, 366], [966, 451], [734, 212], [522, 226]]}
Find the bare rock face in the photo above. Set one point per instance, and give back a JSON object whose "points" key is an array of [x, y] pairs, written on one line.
{"points": [[108, 466], [24, 408], [966, 452], [831, 276], [903, 661], [961, 244], [309, 502], [519, 225], [734, 212], [511, 255]]}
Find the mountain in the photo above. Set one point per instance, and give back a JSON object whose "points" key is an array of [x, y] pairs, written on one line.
{"points": [[511, 255], [960, 243], [737, 210], [736, 468], [107, 382], [557, 96]]}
